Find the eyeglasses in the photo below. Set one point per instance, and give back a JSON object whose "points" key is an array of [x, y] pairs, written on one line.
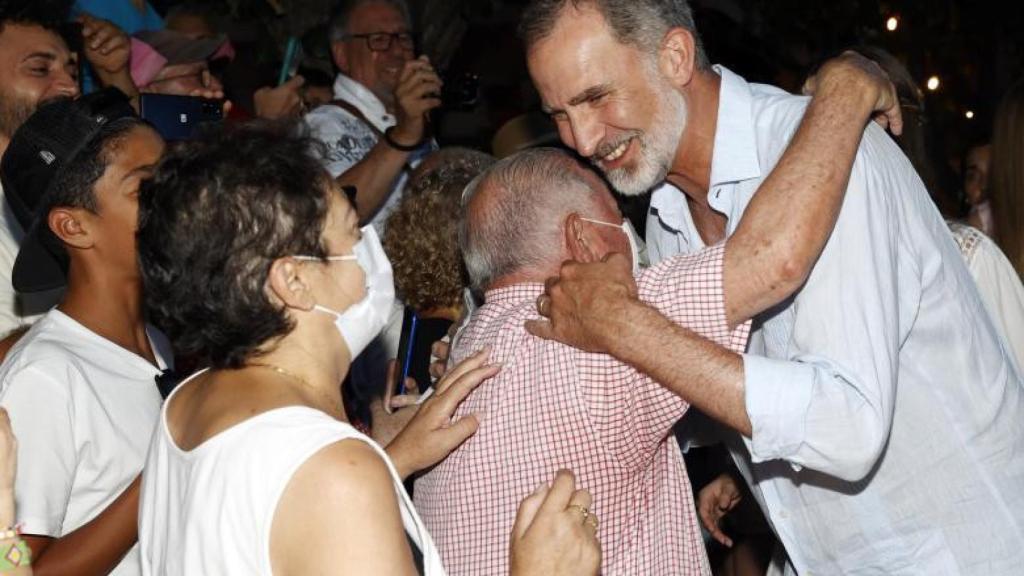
{"points": [[381, 41]]}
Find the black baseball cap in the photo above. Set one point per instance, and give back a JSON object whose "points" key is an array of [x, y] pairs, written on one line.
{"points": [[39, 152]]}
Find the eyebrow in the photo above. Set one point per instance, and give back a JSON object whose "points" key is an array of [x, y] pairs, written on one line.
{"points": [[588, 95], [48, 56], [148, 168]]}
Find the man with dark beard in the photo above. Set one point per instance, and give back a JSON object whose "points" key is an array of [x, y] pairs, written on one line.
{"points": [[37, 65]]}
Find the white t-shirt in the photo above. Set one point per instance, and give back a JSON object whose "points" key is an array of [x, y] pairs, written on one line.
{"points": [[83, 409], [17, 309], [210, 510]]}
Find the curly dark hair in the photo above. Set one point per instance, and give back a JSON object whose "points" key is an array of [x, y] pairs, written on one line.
{"points": [[421, 236], [217, 213]]}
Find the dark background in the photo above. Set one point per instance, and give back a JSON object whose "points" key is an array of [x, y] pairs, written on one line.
{"points": [[975, 49]]}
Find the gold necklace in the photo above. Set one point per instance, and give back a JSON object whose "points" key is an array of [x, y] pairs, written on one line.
{"points": [[282, 372], [329, 401]]}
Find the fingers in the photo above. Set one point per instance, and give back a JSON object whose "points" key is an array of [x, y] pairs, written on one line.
{"points": [[561, 491], [456, 392], [402, 401], [473, 362], [540, 328], [390, 377], [528, 509], [440, 349], [437, 369], [460, 431]]}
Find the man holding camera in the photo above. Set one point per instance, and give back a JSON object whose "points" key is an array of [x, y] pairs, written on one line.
{"points": [[376, 127]]}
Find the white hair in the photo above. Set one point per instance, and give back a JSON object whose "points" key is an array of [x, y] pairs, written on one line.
{"points": [[514, 211]]}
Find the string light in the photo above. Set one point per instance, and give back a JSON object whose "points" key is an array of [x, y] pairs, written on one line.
{"points": [[933, 83], [970, 114], [892, 24]]}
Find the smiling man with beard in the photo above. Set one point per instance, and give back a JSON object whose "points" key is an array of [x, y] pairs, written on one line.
{"points": [[878, 415]]}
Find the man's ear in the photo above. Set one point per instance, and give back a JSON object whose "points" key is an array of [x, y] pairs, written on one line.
{"points": [[677, 56], [579, 240], [72, 226], [285, 282], [339, 53]]}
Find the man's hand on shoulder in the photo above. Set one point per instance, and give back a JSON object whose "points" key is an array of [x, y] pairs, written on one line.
{"points": [[853, 75], [588, 306]]}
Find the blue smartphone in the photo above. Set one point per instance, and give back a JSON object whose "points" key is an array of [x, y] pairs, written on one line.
{"points": [[179, 117]]}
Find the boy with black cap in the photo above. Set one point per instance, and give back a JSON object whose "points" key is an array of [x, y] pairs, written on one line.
{"points": [[80, 386]]}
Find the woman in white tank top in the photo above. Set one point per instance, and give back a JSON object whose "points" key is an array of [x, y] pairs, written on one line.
{"points": [[255, 266]]}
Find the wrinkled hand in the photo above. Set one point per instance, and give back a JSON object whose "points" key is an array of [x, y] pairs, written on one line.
{"points": [[418, 92], [8, 469], [714, 502], [551, 534], [105, 45], [586, 304], [852, 70], [284, 101], [431, 434]]}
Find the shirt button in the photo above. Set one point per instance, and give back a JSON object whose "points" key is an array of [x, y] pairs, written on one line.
{"points": [[783, 514]]}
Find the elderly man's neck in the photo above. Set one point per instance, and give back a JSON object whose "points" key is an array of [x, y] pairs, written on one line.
{"points": [[535, 275]]}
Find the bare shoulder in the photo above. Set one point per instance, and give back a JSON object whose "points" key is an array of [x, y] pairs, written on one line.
{"points": [[340, 512]]}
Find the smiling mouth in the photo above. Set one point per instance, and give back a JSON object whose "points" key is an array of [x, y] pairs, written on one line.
{"points": [[613, 155]]}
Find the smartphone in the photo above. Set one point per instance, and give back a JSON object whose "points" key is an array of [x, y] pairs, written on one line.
{"points": [[290, 63], [179, 117], [418, 335]]}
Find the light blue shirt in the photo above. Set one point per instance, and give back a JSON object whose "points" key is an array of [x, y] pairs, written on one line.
{"points": [[888, 419]]}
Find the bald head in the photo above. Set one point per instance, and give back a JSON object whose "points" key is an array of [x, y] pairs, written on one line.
{"points": [[513, 226]]}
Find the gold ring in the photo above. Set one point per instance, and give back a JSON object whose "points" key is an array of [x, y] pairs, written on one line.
{"points": [[543, 302], [583, 510]]}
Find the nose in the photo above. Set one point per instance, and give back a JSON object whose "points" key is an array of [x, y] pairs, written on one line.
{"points": [[586, 133], [64, 84]]}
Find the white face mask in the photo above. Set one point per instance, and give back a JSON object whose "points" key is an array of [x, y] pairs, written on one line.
{"points": [[627, 229], [361, 322]]}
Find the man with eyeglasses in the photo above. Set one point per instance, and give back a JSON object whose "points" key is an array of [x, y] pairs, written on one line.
{"points": [[376, 127], [376, 130]]}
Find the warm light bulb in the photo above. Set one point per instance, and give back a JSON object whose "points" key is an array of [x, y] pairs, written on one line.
{"points": [[892, 24], [933, 83], [969, 114]]}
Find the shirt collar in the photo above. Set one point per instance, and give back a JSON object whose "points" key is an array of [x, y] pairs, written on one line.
{"points": [[514, 294], [362, 98], [735, 154]]}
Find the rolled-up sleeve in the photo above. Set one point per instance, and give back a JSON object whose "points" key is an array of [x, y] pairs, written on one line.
{"points": [[827, 404]]}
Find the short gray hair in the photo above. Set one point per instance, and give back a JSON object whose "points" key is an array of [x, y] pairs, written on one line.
{"points": [[519, 224], [639, 23], [337, 28]]}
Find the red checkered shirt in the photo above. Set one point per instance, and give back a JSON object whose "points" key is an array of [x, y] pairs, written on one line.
{"points": [[553, 407]]}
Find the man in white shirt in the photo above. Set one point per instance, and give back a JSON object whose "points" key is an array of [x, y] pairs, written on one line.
{"points": [[80, 385], [375, 130], [879, 415], [37, 65]]}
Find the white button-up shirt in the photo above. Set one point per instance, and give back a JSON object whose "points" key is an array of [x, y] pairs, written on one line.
{"points": [[888, 419], [348, 139]]}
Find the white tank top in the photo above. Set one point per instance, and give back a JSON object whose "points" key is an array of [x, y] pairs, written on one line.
{"points": [[209, 510]]}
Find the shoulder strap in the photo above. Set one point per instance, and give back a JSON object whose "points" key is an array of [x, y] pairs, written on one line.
{"points": [[351, 109]]}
